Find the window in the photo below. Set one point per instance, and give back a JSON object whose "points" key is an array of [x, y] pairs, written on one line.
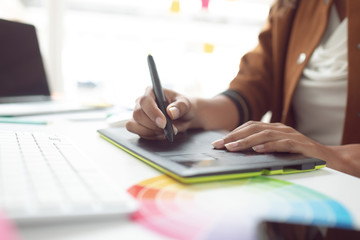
{"points": [[105, 43]]}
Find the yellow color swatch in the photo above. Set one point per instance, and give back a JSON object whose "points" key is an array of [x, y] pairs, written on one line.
{"points": [[175, 6]]}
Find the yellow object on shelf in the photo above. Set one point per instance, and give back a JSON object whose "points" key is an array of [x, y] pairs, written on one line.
{"points": [[208, 47], [175, 6]]}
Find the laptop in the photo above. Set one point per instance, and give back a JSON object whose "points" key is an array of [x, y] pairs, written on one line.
{"points": [[192, 159], [24, 87]]}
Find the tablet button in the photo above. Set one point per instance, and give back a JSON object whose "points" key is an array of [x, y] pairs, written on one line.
{"points": [[197, 157]]}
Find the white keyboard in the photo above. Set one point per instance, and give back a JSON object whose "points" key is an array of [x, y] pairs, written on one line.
{"points": [[44, 177]]}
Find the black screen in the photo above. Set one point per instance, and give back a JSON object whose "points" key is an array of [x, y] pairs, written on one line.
{"points": [[269, 230], [22, 70]]}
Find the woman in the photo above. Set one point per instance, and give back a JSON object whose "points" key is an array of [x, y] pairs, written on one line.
{"points": [[304, 70]]}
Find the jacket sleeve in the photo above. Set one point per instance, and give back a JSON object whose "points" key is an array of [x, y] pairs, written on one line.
{"points": [[250, 89]]}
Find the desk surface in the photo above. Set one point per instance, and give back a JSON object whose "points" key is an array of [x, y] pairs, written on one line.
{"points": [[126, 171]]}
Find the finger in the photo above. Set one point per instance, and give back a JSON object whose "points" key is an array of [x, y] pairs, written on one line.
{"points": [[148, 104], [219, 143], [181, 126], [283, 145], [134, 127], [259, 138], [143, 119], [232, 136], [252, 127], [247, 124], [179, 107], [247, 129], [260, 125]]}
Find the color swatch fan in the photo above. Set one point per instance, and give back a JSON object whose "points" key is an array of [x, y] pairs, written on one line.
{"points": [[230, 209]]}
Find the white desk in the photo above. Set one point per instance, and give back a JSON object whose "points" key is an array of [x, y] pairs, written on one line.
{"points": [[127, 171]]}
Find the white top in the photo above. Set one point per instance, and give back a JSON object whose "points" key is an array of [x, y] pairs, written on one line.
{"points": [[320, 97]]}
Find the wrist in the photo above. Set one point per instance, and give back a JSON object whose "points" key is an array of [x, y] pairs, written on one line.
{"points": [[344, 159], [214, 113], [196, 120]]}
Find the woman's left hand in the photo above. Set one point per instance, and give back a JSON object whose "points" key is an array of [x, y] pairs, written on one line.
{"points": [[270, 137], [277, 137]]}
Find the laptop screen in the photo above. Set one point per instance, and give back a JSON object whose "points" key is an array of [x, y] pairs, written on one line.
{"points": [[22, 73]]}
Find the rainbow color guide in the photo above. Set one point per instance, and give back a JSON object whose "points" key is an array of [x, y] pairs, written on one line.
{"points": [[230, 209]]}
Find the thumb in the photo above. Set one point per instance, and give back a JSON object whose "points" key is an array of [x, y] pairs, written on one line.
{"points": [[178, 108]]}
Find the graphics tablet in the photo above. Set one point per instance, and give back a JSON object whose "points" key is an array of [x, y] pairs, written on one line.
{"points": [[191, 157]]}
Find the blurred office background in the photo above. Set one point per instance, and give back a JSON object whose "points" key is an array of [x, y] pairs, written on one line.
{"points": [[98, 48]]}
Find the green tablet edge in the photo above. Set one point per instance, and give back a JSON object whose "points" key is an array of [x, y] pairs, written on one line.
{"points": [[202, 179]]}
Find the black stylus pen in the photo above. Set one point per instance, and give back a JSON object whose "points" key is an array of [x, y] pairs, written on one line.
{"points": [[160, 98]]}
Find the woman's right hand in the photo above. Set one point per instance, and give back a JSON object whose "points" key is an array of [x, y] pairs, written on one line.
{"points": [[148, 121]]}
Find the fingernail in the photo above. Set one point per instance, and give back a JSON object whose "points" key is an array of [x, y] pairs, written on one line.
{"points": [[258, 148], [218, 143], [160, 122], [175, 129], [160, 137], [175, 113], [231, 145]]}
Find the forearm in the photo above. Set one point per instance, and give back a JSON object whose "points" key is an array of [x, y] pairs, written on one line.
{"points": [[345, 158], [215, 113]]}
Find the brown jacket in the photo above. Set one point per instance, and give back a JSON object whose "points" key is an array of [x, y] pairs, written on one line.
{"points": [[268, 75]]}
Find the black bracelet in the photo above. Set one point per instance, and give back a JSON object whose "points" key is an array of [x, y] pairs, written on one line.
{"points": [[241, 105]]}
